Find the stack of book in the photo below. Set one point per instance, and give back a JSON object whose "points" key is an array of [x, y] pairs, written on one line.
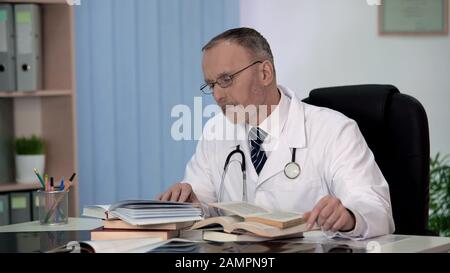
{"points": [[118, 229], [142, 219]]}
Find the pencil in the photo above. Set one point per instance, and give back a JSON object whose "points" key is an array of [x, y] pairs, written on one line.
{"points": [[39, 177], [47, 185]]}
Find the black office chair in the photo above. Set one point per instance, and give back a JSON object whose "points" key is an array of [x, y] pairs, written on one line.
{"points": [[395, 127]]}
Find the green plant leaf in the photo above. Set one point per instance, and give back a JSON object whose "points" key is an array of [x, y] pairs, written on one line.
{"points": [[439, 207], [29, 145]]}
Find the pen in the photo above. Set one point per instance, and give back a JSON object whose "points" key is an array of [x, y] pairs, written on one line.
{"points": [[52, 184], [47, 186], [72, 177], [61, 185], [39, 177]]}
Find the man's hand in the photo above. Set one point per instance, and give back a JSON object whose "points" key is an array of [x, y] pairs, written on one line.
{"points": [[180, 192], [330, 214]]}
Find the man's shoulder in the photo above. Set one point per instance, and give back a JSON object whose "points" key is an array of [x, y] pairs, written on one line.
{"points": [[325, 118], [314, 112]]}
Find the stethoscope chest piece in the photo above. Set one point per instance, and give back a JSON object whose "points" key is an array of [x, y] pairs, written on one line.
{"points": [[292, 170]]}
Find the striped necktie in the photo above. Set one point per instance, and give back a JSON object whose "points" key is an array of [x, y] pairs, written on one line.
{"points": [[256, 138]]}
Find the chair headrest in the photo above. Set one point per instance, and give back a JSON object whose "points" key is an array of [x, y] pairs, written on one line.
{"points": [[360, 102]]}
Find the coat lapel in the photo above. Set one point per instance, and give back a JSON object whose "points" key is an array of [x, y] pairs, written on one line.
{"points": [[293, 135]]}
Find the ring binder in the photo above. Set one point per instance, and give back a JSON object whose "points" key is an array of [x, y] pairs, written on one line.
{"points": [[28, 47], [7, 49]]}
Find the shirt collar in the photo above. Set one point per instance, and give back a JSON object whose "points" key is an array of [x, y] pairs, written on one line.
{"points": [[274, 123]]}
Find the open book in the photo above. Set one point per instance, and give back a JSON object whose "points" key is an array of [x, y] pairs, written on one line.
{"points": [[102, 233], [146, 212], [236, 224], [252, 213], [135, 245], [220, 236]]}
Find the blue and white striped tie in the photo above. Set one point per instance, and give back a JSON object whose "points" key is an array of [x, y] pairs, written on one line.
{"points": [[256, 137]]}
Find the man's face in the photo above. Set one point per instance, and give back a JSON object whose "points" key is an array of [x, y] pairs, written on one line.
{"points": [[227, 58]]}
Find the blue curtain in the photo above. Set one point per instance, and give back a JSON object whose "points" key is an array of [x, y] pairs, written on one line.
{"points": [[136, 59]]}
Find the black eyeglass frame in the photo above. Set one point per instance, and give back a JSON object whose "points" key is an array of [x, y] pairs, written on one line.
{"points": [[227, 80]]}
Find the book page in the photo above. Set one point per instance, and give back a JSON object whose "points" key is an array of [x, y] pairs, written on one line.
{"points": [[96, 211], [264, 230], [143, 203], [219, 236], [279, 216], [156, 220], [120, 224], [117, 246], [240, 208], [159, 213], [226, 222]]}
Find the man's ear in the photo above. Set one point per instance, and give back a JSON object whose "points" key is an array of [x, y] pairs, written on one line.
{"points": [[267, 75]]}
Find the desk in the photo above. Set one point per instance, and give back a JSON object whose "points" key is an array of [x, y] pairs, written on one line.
{"points": [[30, 237], [392, 243]]}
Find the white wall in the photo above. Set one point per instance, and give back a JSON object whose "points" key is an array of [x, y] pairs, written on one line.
{"points": [[320, 43]]}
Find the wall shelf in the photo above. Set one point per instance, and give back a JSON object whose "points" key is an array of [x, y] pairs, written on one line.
{"points": [[36, 1], [8, 187], [39, 93]]}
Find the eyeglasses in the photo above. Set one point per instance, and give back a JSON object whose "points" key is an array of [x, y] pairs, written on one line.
{"points": [[223, 81]]}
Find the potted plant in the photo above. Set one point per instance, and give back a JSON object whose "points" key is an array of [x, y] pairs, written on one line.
{"points": [[29, 155], [439, 213]]}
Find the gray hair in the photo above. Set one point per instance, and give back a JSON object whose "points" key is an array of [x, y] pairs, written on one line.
{"points": [[248, 38]]}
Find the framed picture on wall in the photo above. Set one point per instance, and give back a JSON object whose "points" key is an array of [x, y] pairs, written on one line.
{"points": [[413, 17]]}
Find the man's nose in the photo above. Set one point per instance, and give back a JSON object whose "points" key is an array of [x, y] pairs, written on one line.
{"points": [[218, 92]]}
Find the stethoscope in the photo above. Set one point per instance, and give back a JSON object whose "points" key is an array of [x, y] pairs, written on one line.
{"points": [[292, 170]]}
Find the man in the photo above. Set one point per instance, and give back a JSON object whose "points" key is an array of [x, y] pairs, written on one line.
{"points": [[333, 177]]}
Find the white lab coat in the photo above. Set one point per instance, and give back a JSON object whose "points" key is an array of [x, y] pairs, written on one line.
{"points": [[334, 160]]}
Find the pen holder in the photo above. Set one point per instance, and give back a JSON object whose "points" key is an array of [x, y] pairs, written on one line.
{"points": [[53, 207]]}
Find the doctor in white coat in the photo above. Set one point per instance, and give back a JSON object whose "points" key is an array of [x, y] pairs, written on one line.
{"points": [[335, 180]]}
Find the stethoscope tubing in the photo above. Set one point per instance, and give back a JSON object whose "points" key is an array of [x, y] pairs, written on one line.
{"points": [[244, 173]]}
